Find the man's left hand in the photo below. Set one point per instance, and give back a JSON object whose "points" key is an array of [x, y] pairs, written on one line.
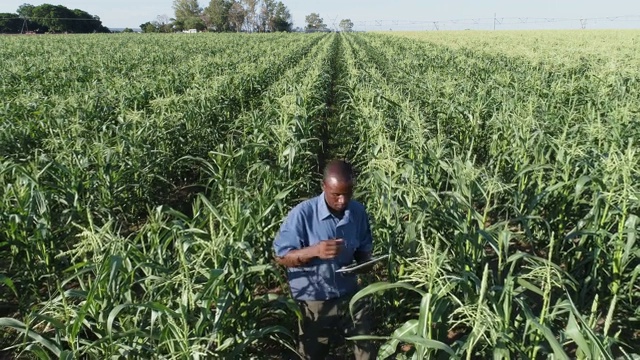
{"points": [[362, 257], [365, 269]]}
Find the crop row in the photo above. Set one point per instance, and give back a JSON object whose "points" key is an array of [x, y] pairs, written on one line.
{"points": [[178, 283], [502, 205]]}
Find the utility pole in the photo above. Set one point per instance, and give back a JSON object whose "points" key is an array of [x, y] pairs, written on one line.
{"points": [[24, 24], [496, 21], [335, 27]]}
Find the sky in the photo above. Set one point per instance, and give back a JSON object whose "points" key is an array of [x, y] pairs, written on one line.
{"points": [[397, 14]]}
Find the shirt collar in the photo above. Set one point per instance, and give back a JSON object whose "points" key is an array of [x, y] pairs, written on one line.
{"points": [[323, 210]]}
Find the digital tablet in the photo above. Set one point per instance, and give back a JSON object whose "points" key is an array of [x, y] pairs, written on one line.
{"points": [[358, 266]]}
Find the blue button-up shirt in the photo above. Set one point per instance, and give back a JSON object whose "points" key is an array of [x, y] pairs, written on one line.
{"points": [[311, 222]]}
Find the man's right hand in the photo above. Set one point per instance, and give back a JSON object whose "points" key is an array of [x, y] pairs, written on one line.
{"points": [[328, 249]]}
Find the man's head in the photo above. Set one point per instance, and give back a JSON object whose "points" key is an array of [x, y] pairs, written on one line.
{"points": [[337, 184]]}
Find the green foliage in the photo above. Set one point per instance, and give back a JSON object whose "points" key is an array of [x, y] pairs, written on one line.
{"points": [[346, 25], [314, 23], [149, 27], [274, 17], [225, 16], [89, 223], [58, 18], [217, 15], [186, 9], [188, 15], [10, 23], [464, 156]]}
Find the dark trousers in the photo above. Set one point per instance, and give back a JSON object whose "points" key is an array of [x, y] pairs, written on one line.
{"points": [[323, 322]]}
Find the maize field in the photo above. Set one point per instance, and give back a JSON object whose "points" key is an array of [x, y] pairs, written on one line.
{"points": [[143, 179]]}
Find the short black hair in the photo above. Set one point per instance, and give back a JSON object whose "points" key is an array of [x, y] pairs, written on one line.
{"points": [[339, 169]]}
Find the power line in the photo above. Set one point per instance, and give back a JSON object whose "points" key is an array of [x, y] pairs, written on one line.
{"points": [[48, 18], [26, 19], [494, 22]]}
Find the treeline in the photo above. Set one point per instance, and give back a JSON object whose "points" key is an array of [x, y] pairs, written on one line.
{"points": [[224, 16], [47, 18]]}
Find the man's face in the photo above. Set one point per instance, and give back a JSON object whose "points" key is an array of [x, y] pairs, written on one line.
{"points": [[337, 193]]}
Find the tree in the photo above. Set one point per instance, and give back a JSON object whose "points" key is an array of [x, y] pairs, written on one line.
{"points": [[188, 15], [163, 24], [267, 14], [10, 23], [216, 15], [282, 18], [52, 18], [185, 9], [236, 16], [250, 15], [346, 25], [274, 16], [127, 30], [25, 10], [149, 27], [57, 18], [194, 23], [315, 23], [89, 23]]}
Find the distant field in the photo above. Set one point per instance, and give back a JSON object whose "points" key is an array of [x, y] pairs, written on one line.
{"points": [[143, 178], [571, 45]]}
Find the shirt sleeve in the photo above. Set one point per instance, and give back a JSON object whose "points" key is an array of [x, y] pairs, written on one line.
{"points": [[291, 234], [366, 240]]}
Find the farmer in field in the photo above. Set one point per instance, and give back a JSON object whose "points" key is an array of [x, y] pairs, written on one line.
{"points": [[318, 237]]}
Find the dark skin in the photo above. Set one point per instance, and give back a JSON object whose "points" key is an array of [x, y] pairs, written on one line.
{"points": [[338, 188]]}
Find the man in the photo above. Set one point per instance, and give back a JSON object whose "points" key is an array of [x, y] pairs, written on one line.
{"points": [[318, 237]]}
